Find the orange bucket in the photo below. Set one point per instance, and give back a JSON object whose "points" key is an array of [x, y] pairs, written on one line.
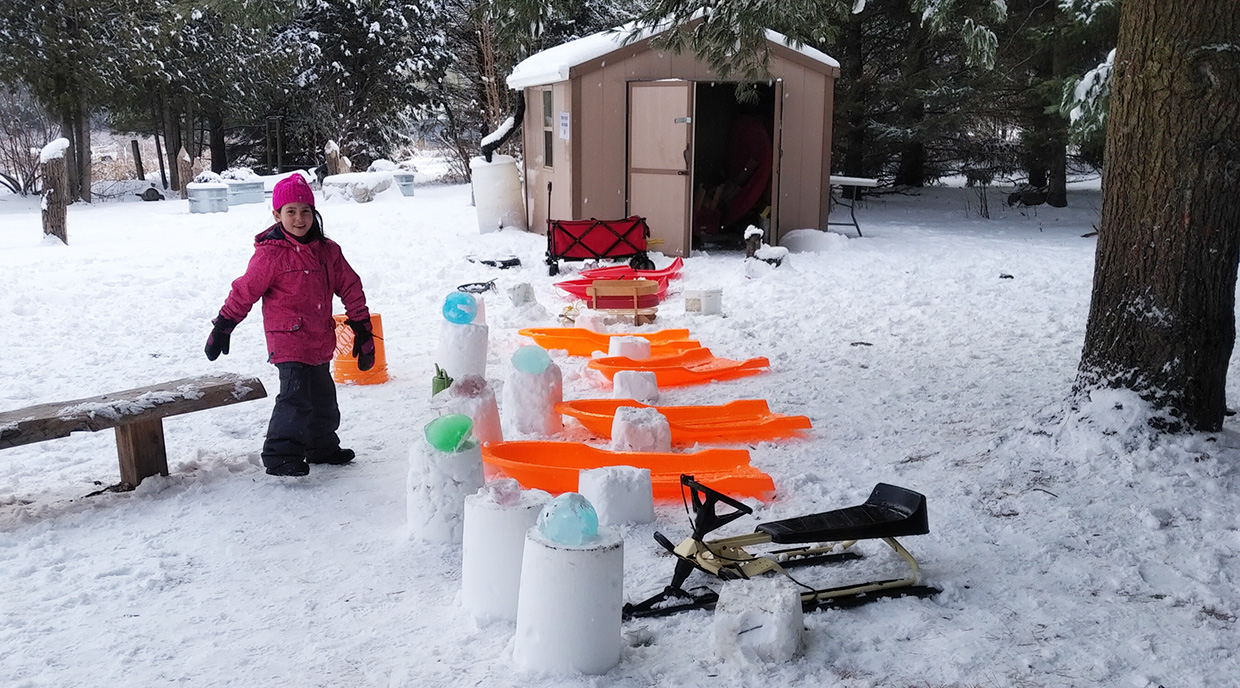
{"points": [[344, 366]]}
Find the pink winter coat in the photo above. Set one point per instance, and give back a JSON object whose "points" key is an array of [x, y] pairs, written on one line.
{"points": [[296, 283]]}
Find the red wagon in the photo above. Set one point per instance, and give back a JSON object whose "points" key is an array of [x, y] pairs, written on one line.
{"points": [[595, 239]]}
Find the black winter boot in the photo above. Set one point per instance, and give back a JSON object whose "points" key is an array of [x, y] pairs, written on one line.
{"points": [[290, 468], [336, 457]]}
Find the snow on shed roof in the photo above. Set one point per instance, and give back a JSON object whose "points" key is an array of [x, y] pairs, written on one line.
{"points": [[554, 64]]}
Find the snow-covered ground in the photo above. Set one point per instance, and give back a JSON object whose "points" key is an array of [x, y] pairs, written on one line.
{"points": [[1070, 551]]}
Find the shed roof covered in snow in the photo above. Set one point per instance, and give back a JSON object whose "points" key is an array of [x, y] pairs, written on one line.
{"points": [[556, 64]]}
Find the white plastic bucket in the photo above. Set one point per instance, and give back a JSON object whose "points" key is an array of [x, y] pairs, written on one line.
{"points": [[704, 301], [404, 181]]}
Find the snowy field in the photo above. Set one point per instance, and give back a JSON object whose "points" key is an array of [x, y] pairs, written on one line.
{"points": [[1070, 551]]}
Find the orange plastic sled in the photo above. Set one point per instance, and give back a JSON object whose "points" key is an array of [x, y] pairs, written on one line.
{"points": [[688, 367], [553, 466], [578, 341], [747, 420]]}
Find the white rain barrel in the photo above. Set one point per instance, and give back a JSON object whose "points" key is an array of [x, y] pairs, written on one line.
{"points": [[497, 193]]}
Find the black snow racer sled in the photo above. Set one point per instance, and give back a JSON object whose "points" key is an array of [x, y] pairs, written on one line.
{"points": [[822, 538]]}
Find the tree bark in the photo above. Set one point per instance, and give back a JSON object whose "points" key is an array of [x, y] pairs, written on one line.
{"points": [[1162, 315], [853, 115], [68, 129], [219, 149], [159, 155], [911, 170], [85, 156], [172, 141], [137, 160], [55, 199]]}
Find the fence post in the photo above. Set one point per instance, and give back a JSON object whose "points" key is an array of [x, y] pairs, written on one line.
{"points": [[55, 189], [137, 159], [185, 170]]}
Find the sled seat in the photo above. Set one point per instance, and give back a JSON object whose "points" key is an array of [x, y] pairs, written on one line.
{"points": [[136, 415], [890, 511]]}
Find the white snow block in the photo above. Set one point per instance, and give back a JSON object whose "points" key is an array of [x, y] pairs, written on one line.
{"points": [[472, 396], [591, 320], [568, 608], [620, 494], [462, 349], [436, 490], [635, 348], [638, 385], [759, 619], [529, 401], [496, 520], [640, 429]]}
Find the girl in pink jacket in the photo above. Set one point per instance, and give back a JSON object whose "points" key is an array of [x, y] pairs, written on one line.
{"points": [[296, 271]]}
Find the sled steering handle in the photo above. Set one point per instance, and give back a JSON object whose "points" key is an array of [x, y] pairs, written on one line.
{"points": [[704, 500]]}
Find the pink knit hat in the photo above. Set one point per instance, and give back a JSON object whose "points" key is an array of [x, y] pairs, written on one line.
{"points": [[291, 189]]}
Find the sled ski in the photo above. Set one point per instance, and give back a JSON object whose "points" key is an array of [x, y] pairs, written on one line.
{"points": [[821, 538]]}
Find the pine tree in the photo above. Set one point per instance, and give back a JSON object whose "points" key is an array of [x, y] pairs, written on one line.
{"points": [[1162, 314], [61, 50]]}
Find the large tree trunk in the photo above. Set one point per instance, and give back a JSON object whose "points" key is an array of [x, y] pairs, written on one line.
{"points": [[68, 129], [172, 140], [912, 166], [853, 115], [1162, 316], [1057, 146], [219, 150], [85, 156], [55, 198]]}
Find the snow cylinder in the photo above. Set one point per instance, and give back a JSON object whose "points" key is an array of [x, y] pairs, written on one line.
{"points": [[529, 399], [497, 193], [462, 349], [760, 620], [641, 430], [493, 546], [472, 396], [438, 483], [636, 348], [638, 385], [569, 604], [620, 494]]}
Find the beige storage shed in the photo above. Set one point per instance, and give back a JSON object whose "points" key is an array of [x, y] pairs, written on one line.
{"points": [[612, 130]]}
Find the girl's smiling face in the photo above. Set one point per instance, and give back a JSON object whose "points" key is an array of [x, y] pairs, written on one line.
{"points": [[296, 218]]}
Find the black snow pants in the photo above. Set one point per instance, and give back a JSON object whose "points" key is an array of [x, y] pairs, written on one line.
{"points": [[305, 417]]}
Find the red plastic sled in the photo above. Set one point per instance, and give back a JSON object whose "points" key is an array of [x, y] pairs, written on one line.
{"points": [[579, 287], [625, 272]]}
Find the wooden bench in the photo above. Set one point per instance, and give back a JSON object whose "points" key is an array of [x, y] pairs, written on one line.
{"points": [[136, 414]]}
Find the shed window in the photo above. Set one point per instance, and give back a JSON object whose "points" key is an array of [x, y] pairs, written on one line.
{"points": [[548, 123]]}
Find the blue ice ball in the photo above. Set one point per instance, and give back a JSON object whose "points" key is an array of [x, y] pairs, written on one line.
{"points": [[460, 308], [531, 359], [568, 520]]}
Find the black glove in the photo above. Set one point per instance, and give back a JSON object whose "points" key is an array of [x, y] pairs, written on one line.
{"points": [[363, 343], [217, 341]]}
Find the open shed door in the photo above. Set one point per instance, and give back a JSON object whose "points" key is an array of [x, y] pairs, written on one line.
{"points": [[660, 138], [777, 157]]}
